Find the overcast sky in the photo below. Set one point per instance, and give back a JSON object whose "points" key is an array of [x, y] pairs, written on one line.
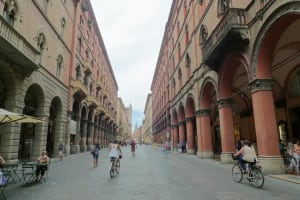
{"points": [[132, 31]]}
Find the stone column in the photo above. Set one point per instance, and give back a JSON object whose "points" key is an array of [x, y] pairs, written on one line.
{"points": [[91, 136], [40, 137], [75, 147], [83, 145], [67, 148], [175, 136], [190, 136], [205, 149], [181, 131], [227, 130], [267, 134]]}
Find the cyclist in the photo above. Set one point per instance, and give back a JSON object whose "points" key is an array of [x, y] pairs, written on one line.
{"points": [[246, 154], [114, 151]]}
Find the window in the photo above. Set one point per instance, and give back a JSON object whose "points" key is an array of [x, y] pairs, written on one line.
{"points": [[59, 61], [63, 25], [187, 37], [223, 6], [45, 5], [78, 72], [41, 41], [179, 74], [91, 89], [81, 21], [203, 34], [86, 80], [187, 60], [79, 44], [179, 51], [9, 11]]}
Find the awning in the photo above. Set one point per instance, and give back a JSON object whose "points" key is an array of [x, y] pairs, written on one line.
{"points": [[9, 117]]}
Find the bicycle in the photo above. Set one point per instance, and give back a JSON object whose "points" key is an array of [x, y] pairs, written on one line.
{"points": [[115, 167], [254, 174]]}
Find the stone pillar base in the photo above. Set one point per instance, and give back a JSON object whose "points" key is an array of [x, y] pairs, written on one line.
{"points": [[205, 154], [272, 164], [74, 149], [67, 150], [227, 158], [191, 152], [83, 148]]}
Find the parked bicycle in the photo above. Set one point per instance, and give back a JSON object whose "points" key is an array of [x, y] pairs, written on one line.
{"points": [[115, 167], [254, 174]]}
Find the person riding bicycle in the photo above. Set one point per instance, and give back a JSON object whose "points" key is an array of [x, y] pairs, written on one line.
{"points": [[114, 151], [246, 155]]}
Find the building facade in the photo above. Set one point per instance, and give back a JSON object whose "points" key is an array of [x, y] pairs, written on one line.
{"points": [[93, 98], [228, 69], [124, 121], [54, 66], [147, 122]]}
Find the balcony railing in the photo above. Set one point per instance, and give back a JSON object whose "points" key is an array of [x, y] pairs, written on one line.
{"points": [[18, 49], [80, 88], [234, 20]]}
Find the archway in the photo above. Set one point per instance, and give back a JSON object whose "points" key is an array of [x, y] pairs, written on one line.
{"points": [[33, 100], [55, 113], [191, 129], [209, 137]]}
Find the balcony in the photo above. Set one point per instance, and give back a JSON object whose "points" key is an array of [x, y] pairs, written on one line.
{"points": [[100, 108], [80, 89], [231, 34], [99, 84], [92, 101], [87, 68], [15, 47]]}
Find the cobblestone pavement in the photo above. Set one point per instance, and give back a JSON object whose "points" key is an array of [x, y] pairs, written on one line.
{"points": [[150, 175]]}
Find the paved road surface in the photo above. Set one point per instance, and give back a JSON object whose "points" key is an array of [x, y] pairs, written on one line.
{"points": [[151, 175]]}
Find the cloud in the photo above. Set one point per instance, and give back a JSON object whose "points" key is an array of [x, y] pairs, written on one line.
{"points": [[132, 36]]}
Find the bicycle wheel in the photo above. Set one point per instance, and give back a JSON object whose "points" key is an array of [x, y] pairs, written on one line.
{"points": [[237, 174], [256, 177], [118, 165], [112, 170]]}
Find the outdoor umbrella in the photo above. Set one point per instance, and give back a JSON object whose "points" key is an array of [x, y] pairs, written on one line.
{"points": [[9, 117]]}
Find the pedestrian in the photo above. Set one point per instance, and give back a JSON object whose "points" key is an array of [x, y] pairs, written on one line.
{"points": [[133, 145], [2, 161], [60, 151], [95, 153], [42, 165], [166, 148]]}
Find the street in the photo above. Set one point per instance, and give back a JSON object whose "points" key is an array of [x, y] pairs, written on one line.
{"points": [[149, 175]]}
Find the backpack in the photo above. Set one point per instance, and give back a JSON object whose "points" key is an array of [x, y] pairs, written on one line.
{"points": [[61, 147], [3, 179]]}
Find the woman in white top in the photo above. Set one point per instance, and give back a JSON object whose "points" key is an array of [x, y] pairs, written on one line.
{"points": [[114, 150]]}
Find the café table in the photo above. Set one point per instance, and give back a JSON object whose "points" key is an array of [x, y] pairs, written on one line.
{"points": [[10, 170], [28, 171]]}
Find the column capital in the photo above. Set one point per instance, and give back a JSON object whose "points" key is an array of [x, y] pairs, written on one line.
{"points": [[261, 85], [203, 112], [174, 126], [225, 102], [189, 119], [181, 123]]}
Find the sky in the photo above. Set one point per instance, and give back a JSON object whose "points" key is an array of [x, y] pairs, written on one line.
{"points": [[132, 31]]}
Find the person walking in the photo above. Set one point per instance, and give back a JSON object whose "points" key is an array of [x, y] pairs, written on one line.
{"points": [[133, 145], [95, 153], [60, 151]]}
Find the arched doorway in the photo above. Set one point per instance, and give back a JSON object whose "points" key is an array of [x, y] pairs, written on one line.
{"points": [[33, 100], [55, 111]]}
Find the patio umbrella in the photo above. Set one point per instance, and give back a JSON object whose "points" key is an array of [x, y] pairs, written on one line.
{"points": [[9, 117]]}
